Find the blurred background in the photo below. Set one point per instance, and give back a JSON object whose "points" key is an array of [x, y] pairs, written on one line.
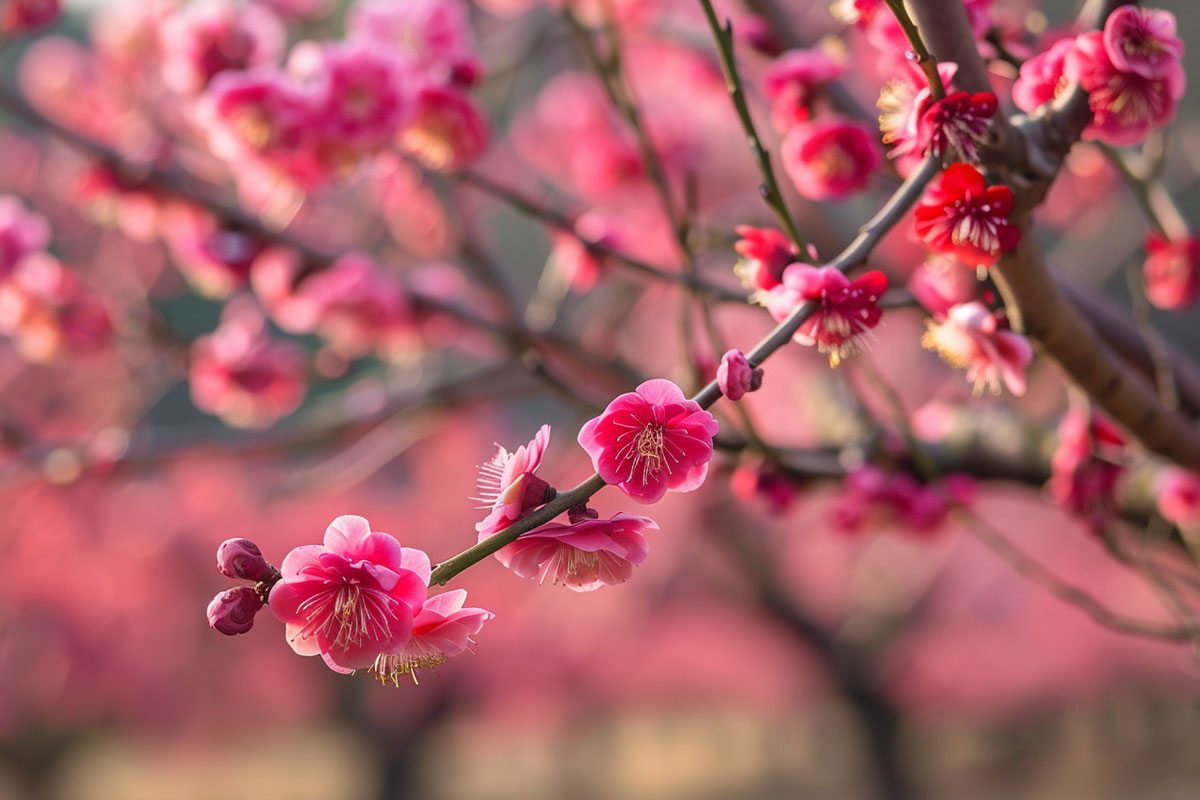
{"points": [[811, 662]]}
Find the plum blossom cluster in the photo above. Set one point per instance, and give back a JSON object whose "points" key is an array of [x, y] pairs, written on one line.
{"points": [[400, 78], [44, 308], [359, 600], [1131, 71], [873, 495]]}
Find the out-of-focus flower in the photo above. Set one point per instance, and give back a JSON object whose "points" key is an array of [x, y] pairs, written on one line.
{"points": [[1041, 79], [351, 598], [829, 158], [970, 337], [1172, 271], [846, 310], [1179, 496], [651, 441], [202, 39], [21, 233], [442, 630], [360, 308], [1142, 40], [870, 491], [22, 16], [46, 311], [434, 35], [736, 377], [1083, 469], [507, 483], [1125, 105], [960, 215], [242, 375], [583, 555], [765, 253], [232, 611], [570, 255], [940, 283], [793, 81], [214, 258], [764, 481], [447, 132]]}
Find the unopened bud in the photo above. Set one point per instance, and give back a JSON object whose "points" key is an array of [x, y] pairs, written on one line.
{"points": [[242, 560], [736, 377], [232, 611]]}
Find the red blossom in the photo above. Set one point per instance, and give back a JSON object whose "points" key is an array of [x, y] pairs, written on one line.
{"points": [[1172, 271], [961, 215], [847, 310], [954, 127]]}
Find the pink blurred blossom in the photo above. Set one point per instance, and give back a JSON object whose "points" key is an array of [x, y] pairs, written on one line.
{"points": [[1142, 40], [360, 308], [1179, 496], [22, 16], [447, 131], [442, 630], [242, 375], [651, 441], [352, 597], [46, 311], [21, 233], [434, 35], [793, 81], [1041, 79], [830, 158], [765, 252], [940, 282], [1085, 467], [214, 258], [970, 337], [583, 555], [202, 39], [1172, 271], [846, 310]]}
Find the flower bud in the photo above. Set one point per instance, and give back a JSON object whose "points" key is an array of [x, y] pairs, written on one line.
{"points": [[232, 612], [736, 377], [241, 559]]}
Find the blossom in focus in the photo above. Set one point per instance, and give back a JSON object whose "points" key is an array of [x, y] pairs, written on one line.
{"points": [[442, 630], [351, 598], [970, 337], [1142, 40], [765, 253], [1125, 105], [830, 158], [903, 102], [202, 39], [582, 555], [846, 310], [1179, 496], [961, 215], [793, 80], [507, 483], [240, 374], [1172, 271], [954, 128], [736, 376], [651, 441]]}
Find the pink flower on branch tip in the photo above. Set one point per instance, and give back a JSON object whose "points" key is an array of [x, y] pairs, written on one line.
{"points": [[1142, 41], [582, 555], [232, 611], [1172, 271], [351, 598], [651, 441], [507, 485], [960, 215], [830, 158], [1041, 79], [846, 310], [971, 337], [442, 630], [736, 377]]}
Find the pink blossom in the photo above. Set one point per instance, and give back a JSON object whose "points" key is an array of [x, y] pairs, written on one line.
{"points": [[960, 215], [352, 597], [447, 132], [243, 376], [202, 39], [46, 311], [1142, 40], [570, 255], [829, 159], [1041, 79], [954, 128], [273, 277], [793, 80], [1179, 496], [232, 611], [442, 630], [869, 491], [20, 16], [1085, 468], [764, 481], [507, 484], [360, 308], [1125, 105], [765, 253], [1172, 271], [903, 102], [846, 310], [21, 233], [736, 377], [583, 555], [970, 337], [940, 282], [214, 258], [651, 441], [433, 34]]}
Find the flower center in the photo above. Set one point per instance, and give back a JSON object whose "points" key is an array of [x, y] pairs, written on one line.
{"points": [[346, 615], [649, 444]]}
